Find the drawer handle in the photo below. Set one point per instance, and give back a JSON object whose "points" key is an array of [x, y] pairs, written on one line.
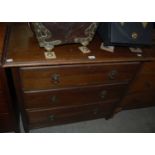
{"points": [[54, 99], [56, 78], [96, 111], [112, 75], [103, 94], [52, 117]]}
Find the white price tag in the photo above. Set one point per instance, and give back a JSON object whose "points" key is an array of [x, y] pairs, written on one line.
{"points": [[139, 55], [91, 57], [9, 60]]}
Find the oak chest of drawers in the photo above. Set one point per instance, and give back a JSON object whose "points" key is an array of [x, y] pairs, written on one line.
{"points": [[58, 94], [8, 116], [71, 87]]}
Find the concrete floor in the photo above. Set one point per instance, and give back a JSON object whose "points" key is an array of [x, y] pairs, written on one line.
{"points": [[129, 121]]}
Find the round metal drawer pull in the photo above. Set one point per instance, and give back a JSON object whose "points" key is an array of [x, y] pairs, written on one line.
{"points": [[54, 99], [112, 75], [96, 111], [56, 78], [103, 94], [52, 117]]}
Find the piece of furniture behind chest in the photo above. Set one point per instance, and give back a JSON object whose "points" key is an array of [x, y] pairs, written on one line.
{"points": [[8, 115]]}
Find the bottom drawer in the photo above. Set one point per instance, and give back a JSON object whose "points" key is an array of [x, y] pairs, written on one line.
{"points": [[46, 117], [137, 100], [5, 123]]}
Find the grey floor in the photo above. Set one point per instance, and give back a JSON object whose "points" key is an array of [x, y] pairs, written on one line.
{"points": [[138, 120]]}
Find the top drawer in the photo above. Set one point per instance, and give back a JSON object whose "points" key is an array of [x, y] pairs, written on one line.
{"points": [[38, 78]]}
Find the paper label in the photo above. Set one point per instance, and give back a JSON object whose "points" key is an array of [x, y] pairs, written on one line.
{"points": [[91, 57], [9, 60]]}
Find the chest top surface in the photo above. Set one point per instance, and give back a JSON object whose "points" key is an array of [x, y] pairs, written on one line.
{"points": [[22, 49]]}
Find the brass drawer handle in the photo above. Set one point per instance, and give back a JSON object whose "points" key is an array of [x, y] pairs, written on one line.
{"points": [[56, 78], [52, 117], [54, 99], [112, 75], [96, 111], [103, 94]]}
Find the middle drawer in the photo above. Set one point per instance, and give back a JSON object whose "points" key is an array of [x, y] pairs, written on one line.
{"points": [[76, 96]]}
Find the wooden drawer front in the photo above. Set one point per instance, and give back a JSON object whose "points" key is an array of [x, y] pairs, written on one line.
{"points": [[139, 100], [5, 123], [64, 115], [37, 78], [3, 104], [76, 96], [144, 82]]}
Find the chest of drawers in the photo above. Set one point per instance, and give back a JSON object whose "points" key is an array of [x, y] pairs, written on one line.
{"points": [[50, 95], [71, 87]]}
